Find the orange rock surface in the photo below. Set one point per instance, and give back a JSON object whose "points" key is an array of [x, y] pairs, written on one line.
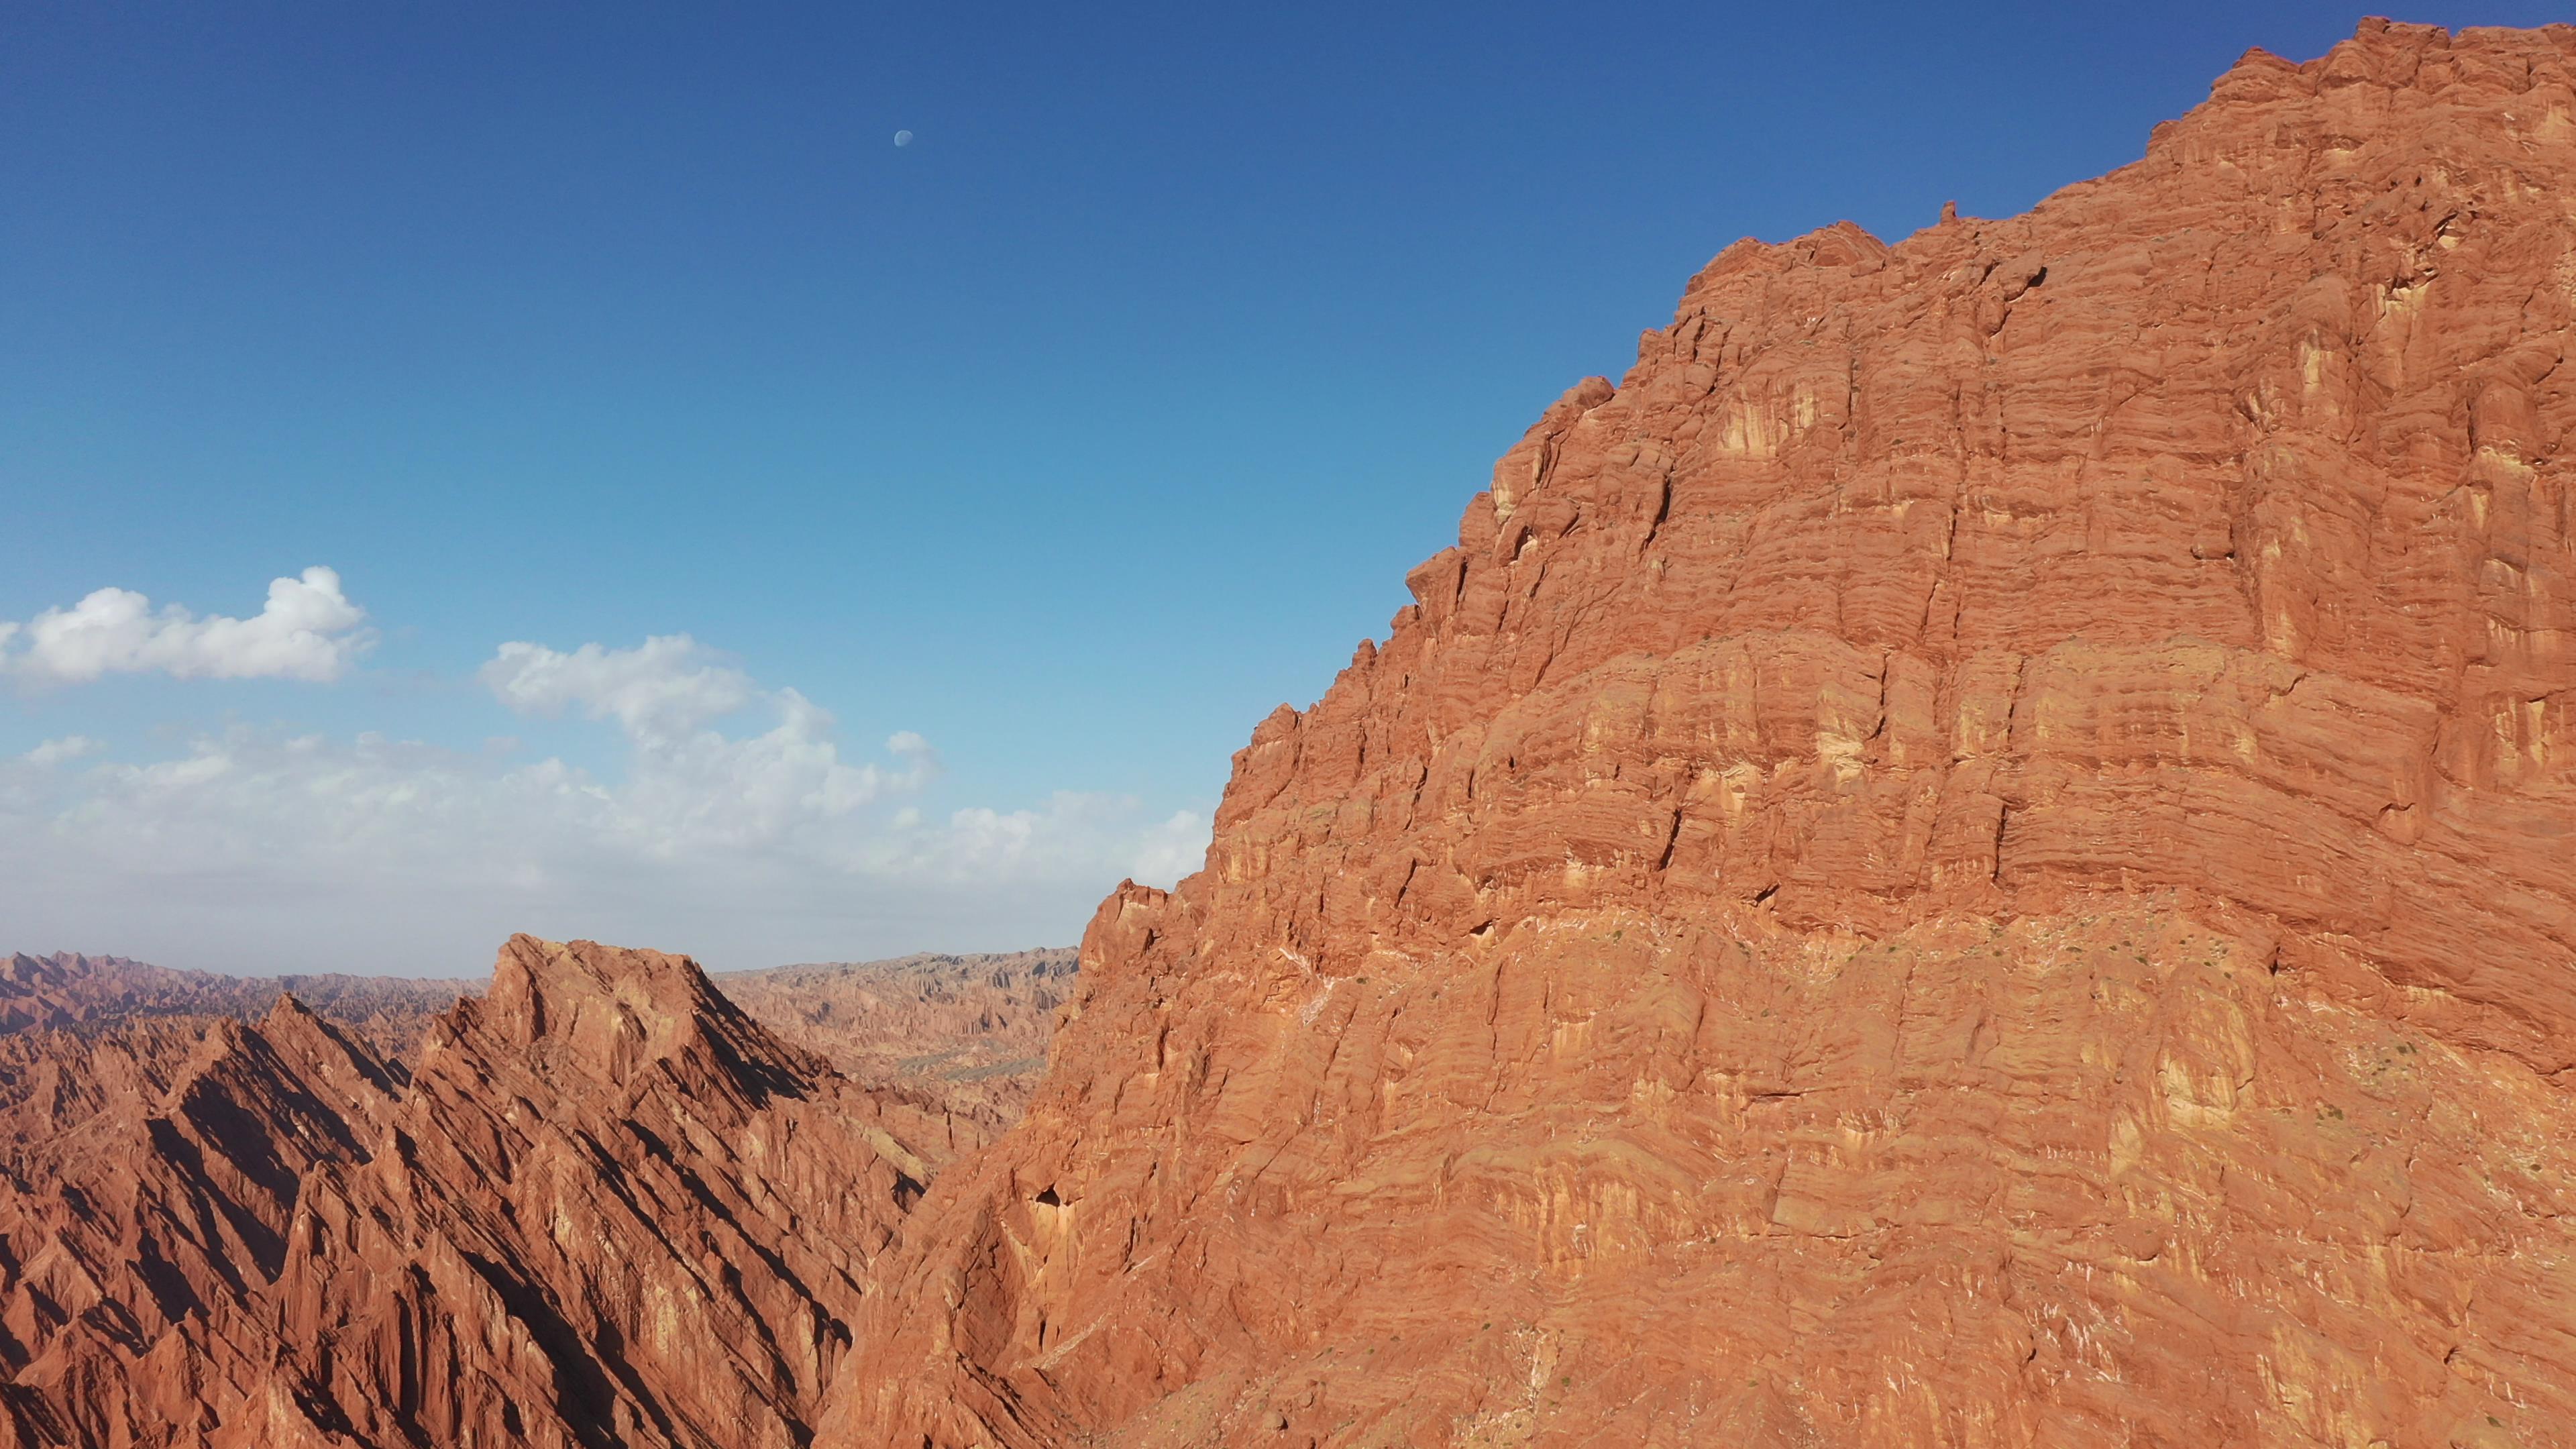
{"points": [[600, 1206], [970, 1031], [151, 1175], [1981, 852]]}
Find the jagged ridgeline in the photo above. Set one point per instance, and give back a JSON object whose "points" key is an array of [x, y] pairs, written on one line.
{"points": [[600, 1205]]}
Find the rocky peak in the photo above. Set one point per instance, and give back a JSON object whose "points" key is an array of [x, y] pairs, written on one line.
{"points": [[621, 1208], [608, 1209], [2005, 790], [612, 1013]]}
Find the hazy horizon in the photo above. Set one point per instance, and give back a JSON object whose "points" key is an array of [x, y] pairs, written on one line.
{"points": [[476, 977]]}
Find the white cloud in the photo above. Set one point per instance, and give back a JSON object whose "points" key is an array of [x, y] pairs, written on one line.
{"points": [[750, 843], [689, 785], [1075, 825], [56, 751], [670, 683], [308, 630], [1171, 850]]}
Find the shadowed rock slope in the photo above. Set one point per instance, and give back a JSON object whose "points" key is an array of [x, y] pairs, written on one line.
{"points": [[601, 1206], [151, 1173], [1979, 853]]}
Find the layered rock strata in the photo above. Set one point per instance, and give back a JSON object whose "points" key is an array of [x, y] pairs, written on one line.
{"points": [[1979, 852]]}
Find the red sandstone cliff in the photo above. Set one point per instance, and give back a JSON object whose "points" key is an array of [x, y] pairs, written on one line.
{"points": [[1976, 854], [1981, 852]]}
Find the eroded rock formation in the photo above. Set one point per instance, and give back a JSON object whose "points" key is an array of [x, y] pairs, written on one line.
{"points": [[70, 992], [971, 1030], [600, 1206], [151, 1173], [1980, 852]]}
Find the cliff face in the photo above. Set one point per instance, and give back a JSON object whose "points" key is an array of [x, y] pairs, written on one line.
{"points": [[1981, 852], [601, 1206]]}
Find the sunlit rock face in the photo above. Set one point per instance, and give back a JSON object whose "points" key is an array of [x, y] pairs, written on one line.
{"points": [[151, 1173], [600, 1205], [1980, 852]]}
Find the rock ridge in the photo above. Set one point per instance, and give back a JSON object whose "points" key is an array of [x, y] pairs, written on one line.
{"points": [[600, 1205], [68, 991]]}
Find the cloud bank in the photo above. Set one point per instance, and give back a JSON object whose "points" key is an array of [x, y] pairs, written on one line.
{"points": [[737, 824], [691, 786]]}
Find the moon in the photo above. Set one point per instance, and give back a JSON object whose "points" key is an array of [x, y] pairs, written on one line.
{"points": [[903, 138]]}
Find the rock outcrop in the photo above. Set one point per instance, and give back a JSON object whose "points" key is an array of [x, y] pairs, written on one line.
{"points": [[1979, 853], [970, 1031], [601, 1206], [150, 1175]]}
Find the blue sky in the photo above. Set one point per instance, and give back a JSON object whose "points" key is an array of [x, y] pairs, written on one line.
{"points": [[1063, 442]]}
